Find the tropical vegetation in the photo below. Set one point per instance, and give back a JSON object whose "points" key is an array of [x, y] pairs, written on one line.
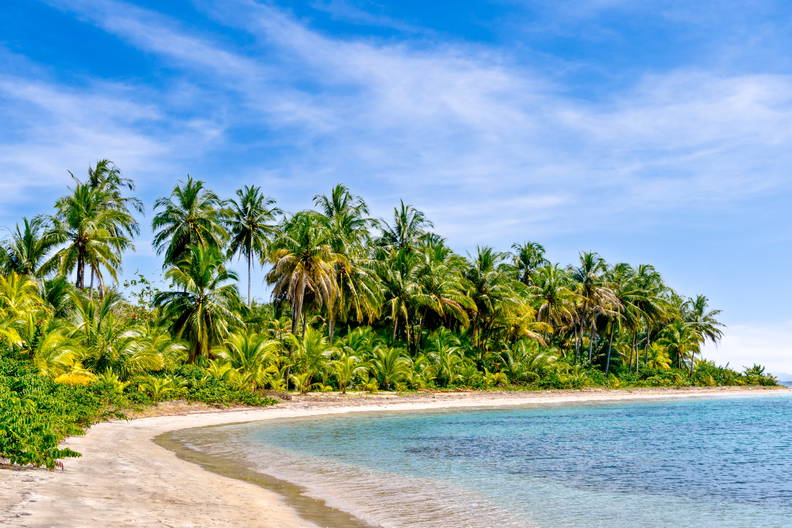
{"points": [[356, 303]]}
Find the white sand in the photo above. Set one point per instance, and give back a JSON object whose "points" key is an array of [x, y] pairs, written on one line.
{"points": [[124, 479]]}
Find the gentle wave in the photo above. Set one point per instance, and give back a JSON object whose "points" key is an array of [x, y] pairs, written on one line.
{"points": [[378, 498]]}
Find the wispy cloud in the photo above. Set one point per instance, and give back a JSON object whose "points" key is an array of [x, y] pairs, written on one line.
{"points": [[449, 123]]}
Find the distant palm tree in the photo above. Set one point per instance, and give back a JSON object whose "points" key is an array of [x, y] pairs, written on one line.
{"points": [[409, 225], [251, 224], [442, 290], [552, 288], [203, 307], [680, 343], [491, 290], [528, 257], [191, 216], [397, 276], [702, 321], [596, 297], [304, 262]]}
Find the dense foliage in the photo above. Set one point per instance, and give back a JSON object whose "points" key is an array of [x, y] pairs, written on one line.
{"points": [[357, 303]]}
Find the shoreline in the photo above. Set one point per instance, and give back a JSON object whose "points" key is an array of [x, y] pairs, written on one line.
{"points": [[126, 478]]}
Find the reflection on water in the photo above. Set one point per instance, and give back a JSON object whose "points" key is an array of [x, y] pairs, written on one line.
{"points": [[719, 463]]}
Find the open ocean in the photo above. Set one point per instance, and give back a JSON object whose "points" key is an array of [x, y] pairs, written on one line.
{"points": [[722, 462]]}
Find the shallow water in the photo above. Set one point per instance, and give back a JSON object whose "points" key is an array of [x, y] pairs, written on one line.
{"points": [[720, 462]]}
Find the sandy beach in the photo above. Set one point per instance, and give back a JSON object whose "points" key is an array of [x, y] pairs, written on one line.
{"points": [[125, 479]]}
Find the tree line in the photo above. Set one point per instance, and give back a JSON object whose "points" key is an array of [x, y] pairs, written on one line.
{"points": [[356, 301]]}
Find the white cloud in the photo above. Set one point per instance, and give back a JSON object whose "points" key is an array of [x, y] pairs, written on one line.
{"points": [[469, 120]]}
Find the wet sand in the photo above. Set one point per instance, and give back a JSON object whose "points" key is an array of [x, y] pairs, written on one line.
{"points": [[126, 478]]}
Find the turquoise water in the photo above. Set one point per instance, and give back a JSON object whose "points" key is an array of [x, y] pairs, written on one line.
{"points": [[694, 463]]}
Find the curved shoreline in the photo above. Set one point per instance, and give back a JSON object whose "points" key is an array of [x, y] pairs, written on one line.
{"points": [[125, 479]]}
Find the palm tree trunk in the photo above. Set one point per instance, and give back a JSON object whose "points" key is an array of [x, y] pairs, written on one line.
{"points": [[331, 326], [610, 344], [249, 263], [90, 288], [591, 341], [296, 313], [78, 283]]}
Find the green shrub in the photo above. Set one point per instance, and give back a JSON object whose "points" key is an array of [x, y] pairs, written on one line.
{"points": [[36, 414]]}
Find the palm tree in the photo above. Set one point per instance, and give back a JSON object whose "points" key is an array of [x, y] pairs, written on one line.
{"points": [[249, 352], [191, 216], [345, 368], [442, 290], [680, 343], [304, 262], [523, 361], [491, 290], [359, 291], [346, 215], [555, 297], [445, 354], [19, 304], [399, 290], [27, 249], [251, 225], [389, 365], [409, 225], [704, 321], [596, 297], [92, 233], [105, 178], [203, 307], [528, 257]]}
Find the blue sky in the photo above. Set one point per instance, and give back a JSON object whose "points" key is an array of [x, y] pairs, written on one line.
{"points": [[650, 131]]}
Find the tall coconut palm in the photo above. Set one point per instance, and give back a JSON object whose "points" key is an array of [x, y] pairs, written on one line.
{"points": [[105, 178], [251, 224], [702, 321], [191, 216], [359, 292], [92, 233], [346, 215], [203, 307], [304, 262]]}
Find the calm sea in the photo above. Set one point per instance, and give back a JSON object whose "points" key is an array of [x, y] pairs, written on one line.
{"points": [[723, 462]]}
